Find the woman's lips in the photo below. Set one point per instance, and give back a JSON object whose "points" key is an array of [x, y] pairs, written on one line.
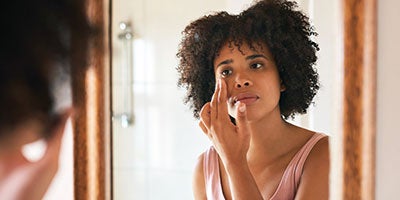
{"points": [[246, 98]]}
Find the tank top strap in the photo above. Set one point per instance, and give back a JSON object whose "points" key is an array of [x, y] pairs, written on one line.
{"points": [[290, 181], [302, 155]]}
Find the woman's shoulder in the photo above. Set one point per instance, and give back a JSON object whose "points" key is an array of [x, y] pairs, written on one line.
{"points": [[315, 177], [320, 150], [205, 159], [199, 166], [316, 146], [198, 183]]}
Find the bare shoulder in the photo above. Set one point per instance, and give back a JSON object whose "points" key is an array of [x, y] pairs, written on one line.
{"points": [[315, 179], [319, 155], [198, 183]]}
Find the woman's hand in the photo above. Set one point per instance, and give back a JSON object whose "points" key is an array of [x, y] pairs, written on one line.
{"points": [[230, 141]]}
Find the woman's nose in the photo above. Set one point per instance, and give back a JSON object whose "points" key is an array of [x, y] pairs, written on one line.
{"points": [[242, 82]]}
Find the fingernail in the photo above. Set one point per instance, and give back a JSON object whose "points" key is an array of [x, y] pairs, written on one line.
{"points": [[242, 107]]}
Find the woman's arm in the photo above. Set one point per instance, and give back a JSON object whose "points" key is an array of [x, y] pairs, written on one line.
{"points": [[315, 178]]}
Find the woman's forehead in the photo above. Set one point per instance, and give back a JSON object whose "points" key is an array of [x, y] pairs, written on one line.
{"points": [[244, 48]]}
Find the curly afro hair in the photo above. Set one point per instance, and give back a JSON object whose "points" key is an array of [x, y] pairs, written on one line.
{"points": [[277, 24]]}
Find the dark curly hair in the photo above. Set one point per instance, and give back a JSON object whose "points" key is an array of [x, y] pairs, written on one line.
{"points": [[41, 37], [278, 24]]}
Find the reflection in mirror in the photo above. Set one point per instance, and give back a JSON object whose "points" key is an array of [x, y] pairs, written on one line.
{"points": [[156, 140]]}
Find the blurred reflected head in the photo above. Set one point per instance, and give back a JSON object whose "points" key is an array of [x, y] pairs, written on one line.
{"points": [[42, 41]]}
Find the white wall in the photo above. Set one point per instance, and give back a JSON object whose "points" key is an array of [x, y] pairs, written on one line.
{"points": [[388, 109]]}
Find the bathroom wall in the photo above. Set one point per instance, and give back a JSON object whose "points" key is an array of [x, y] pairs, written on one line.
{"points": [[154, 158]]}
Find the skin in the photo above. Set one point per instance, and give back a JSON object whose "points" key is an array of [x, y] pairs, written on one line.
{"points": [[255, 152], [21, 179]]}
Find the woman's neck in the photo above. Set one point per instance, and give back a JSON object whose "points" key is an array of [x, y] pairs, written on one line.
{"points": [[270, 137]]}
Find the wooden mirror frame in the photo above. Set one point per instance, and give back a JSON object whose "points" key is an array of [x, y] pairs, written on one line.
{"points": [[92, 117], [359, 98], [91, 91]]}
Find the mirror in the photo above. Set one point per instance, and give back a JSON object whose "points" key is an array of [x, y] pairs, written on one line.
{"points": [[344, 26], [156, 140]]}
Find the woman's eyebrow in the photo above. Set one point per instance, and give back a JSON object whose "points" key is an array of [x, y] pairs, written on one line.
{"points": [[254, 56], [251, 57], [225, 62]]}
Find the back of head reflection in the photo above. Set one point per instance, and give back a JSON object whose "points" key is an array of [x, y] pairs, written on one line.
{"points": [[42, 42]]}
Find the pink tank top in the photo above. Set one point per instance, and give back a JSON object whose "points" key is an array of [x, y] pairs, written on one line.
{"points": [[287, 187]]}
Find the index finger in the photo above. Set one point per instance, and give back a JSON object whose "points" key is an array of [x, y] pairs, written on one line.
{"points": [[214, 102], [222, 101]]}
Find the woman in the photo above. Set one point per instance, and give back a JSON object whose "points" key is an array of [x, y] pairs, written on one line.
{"points": [[246, 74]]}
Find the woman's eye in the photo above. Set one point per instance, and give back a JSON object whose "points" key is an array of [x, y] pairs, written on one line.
{"points": [[226, 72], [256, 66]]}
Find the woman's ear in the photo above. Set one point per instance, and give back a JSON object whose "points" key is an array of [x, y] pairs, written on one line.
{"points": [[59, 123], [283, 87]]}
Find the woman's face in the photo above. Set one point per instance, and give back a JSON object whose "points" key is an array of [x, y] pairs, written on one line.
{"points": [[24, 133], [251, 77]]}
